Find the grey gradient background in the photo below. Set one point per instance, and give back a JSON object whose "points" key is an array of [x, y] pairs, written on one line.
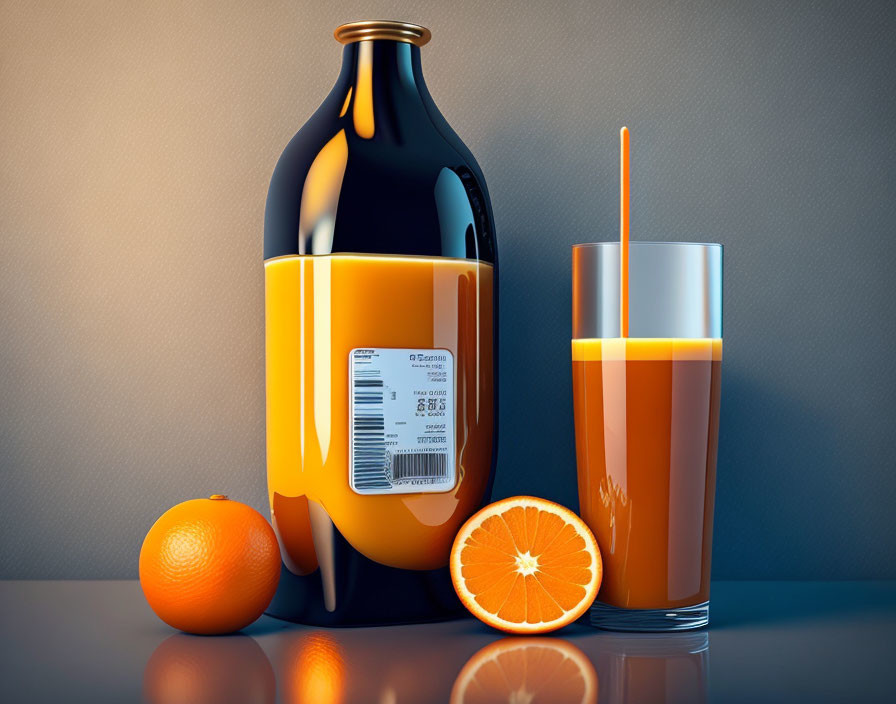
{"points": [[136, 144]]}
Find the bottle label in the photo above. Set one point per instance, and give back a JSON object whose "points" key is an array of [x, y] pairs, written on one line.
{"points": [[401, 421]]}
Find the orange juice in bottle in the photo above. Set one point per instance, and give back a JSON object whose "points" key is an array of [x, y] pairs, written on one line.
{"points": [[380, 284]]}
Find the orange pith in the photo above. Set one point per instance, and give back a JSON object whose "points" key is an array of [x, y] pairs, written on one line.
{"points": [[526, 565], [531, 670]]}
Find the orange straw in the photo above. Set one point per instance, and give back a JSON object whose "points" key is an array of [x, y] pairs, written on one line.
{"points": [[624, 207]]}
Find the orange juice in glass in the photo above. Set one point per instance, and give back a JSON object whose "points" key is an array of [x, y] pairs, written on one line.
{"points": [[646, 419]]}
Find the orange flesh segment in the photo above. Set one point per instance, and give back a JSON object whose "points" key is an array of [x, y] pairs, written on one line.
{"points": [[527, 565]]}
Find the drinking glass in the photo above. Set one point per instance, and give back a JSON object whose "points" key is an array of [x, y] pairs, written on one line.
{"points": [[646, 422]]}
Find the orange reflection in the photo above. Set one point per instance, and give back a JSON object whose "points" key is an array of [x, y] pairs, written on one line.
{"points": [[362, 115], [320, 193], [348, 97], [314, 670], [195, 669], [527, 670]]}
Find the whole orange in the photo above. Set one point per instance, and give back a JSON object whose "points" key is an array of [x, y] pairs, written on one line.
{"points": [[210, 565]]}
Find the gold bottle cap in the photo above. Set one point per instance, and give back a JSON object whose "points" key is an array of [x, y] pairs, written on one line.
{"points": [[382, 29]]}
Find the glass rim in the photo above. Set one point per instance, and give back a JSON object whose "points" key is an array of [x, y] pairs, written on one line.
{"points": [[633, 243]]}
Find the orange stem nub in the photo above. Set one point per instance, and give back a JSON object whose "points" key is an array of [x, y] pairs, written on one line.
{"points": [[624, 215]]}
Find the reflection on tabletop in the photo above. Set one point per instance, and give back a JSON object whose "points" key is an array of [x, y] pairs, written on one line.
{"points": [[651, 667], [385, 666], [527, 669], [405, 664], [200, 669]]}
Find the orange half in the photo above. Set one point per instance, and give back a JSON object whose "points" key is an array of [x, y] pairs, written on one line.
{"points": [[526, 565]]}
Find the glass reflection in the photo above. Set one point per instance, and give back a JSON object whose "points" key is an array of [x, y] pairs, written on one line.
{"points": [[651, 668], [186, 669], [526, 669]]}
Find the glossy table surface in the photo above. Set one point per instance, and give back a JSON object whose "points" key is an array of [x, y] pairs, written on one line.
{"points": [[768, 641]]}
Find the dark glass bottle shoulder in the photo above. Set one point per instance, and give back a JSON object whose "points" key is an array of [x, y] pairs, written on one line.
{"points": [[377, 169]]}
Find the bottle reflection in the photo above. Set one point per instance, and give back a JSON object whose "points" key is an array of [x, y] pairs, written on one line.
{"points": [[389, 666], [383, 666], [526, 669], [187, 669], [314, 670], [652, 668]]}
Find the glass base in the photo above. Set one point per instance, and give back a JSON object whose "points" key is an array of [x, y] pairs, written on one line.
{"points": [[684, 618]]}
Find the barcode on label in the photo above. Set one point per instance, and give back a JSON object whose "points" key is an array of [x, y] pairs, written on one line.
{"points": [[401, 420], [420, 465], [369, 459]]}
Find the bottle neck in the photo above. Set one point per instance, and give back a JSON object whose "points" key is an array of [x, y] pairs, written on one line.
{"points": [[382, 87]]}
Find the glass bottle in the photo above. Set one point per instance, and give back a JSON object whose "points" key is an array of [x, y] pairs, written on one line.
{"points": [[380, 288]]}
